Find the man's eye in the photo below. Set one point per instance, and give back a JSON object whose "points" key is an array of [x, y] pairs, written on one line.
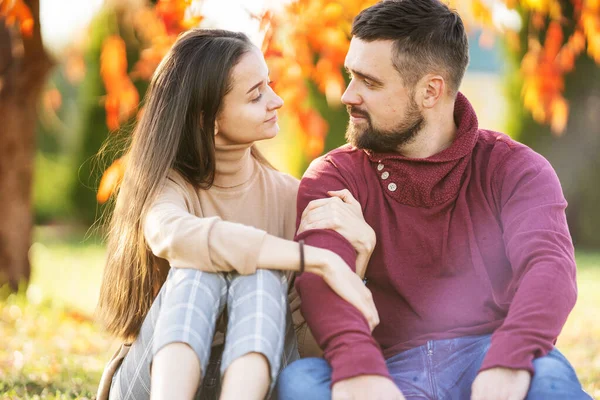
{"points": [[368, 84]]}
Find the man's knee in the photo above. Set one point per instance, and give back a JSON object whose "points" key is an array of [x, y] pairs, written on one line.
{"points": [[307, 378], [554, 378]]}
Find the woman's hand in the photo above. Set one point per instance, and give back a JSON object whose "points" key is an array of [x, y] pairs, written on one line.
{"points": [[342, 213], [349, 286]]}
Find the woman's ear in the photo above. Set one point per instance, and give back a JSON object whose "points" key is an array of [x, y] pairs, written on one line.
{"points": [[216, 127]]}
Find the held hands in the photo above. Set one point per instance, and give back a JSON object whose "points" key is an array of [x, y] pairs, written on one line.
{"points": [[373, 387], [501, 384], [342, 213]]}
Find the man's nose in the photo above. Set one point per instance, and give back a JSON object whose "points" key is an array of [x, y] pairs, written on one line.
{"points": [[351, 96]]}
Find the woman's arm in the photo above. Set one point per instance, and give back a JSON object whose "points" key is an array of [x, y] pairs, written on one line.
{"points": [[342, 213], [282, 254], [187, 241], [213, 245]]}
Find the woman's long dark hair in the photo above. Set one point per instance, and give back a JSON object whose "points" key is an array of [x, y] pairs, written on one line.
{"points": [[176, 132]]}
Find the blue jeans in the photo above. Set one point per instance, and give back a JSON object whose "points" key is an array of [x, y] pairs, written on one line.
{"points": [[440, 369]]}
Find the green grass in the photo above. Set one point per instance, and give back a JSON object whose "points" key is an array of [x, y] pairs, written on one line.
{"points": [[52, 349]]}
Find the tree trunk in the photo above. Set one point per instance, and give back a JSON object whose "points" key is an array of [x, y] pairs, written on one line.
{"points": [[24, 66]]}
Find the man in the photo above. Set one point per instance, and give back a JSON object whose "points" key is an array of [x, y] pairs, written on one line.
{"points": [[473, 274]]}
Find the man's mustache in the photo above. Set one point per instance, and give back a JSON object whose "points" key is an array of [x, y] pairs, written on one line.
{"points": [[357, 112]]}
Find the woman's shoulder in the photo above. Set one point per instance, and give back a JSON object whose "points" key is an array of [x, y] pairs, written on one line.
{"points": [[175, 182], [282, 180], [174, 177]]}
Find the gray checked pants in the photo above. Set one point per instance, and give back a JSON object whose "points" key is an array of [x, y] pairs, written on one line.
{"points": [[186, 311]]}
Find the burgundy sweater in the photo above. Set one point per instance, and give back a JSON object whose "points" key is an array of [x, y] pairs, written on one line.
{"points": [[470, 241]]}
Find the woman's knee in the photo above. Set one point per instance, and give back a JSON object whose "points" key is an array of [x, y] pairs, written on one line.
{"points": [[307, 378], [185, 281], [272, 279]]}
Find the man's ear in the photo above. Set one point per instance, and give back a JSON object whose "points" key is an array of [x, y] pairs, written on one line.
{"points": [[433, 89]]}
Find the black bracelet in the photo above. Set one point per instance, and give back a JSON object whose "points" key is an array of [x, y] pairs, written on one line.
{"points": [[301, 243]]}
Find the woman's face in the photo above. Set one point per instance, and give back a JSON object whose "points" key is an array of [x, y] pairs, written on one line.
{"points": [[249, 110]]}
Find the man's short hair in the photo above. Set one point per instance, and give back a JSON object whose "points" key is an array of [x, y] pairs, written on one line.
{"points": [[428, 38]]}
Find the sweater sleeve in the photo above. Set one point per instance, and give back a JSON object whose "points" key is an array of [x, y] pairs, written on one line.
{"points": [[188, 241], [539, 248], [338, 327]]}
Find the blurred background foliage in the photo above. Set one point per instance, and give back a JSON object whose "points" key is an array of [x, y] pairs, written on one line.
{"points": [[73, 119], [533, 74]]}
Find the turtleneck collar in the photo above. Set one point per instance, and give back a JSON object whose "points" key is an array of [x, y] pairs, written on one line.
{"points": [[234, 165], [431, 181]]}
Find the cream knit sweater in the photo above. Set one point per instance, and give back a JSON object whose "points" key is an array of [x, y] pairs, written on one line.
{"points": [[221, 229]]}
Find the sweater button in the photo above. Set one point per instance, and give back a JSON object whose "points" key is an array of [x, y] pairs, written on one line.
{"points": [[379, 167], [392, 187], [385, 175]]}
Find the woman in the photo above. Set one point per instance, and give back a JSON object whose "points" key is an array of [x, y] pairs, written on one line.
{"points": [[201, 211]]}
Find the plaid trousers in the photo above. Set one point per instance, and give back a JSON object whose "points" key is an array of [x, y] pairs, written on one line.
{"points": [[186, 311]]}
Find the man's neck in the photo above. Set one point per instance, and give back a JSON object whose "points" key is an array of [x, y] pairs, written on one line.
{"points": [[437, 135]]}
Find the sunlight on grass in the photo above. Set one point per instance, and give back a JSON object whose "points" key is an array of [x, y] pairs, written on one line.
{"points": [[54, 350], [580, 338]]}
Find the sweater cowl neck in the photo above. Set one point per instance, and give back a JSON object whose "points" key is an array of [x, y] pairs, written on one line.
{"points": [[235, 165], [428, 182]]}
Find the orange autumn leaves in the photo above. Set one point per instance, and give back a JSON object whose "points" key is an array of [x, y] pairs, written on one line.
{"points": [[122, 97], [158, 27], [16, 12], [121, 102], [550, 53], [547, 62], [308, 42], [543, 69]]}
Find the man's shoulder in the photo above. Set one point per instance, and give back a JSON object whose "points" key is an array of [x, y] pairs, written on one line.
{"points": [[496, 142], [502, 152], [340, 158], [340, 168]]}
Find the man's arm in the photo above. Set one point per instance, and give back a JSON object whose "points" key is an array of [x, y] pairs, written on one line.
{"points": [[339, 328], [540, 250]]}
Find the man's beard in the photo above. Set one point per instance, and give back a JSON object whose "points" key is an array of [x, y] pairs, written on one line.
{"points": [[385, 141]]}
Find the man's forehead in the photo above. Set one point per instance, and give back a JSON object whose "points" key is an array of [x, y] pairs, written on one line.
{"points": [[376, 54]]}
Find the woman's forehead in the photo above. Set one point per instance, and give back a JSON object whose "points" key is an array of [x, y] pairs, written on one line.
{"points": [[250, 70]]}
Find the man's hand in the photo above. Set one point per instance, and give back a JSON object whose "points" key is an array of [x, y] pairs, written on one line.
{"points": [[501, 384], [372, 387]]}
